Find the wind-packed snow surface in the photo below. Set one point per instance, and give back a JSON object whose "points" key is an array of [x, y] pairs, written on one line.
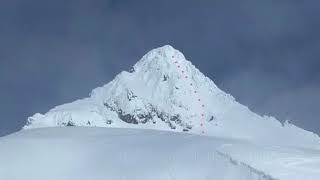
{"points": [[81, 153], [165, 91]]}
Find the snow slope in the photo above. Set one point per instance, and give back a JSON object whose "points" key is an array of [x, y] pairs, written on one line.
{"points": [[135, 154], [165, 91]]}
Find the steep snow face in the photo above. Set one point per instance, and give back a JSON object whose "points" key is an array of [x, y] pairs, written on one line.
{"points": [[165, 91]]}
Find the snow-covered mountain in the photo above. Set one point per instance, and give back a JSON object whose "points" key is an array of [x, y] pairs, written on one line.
{"points": [[165, 91], [218, 137]]}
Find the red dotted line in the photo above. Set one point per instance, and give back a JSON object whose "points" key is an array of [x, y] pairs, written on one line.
{"points": [[199, 100]]}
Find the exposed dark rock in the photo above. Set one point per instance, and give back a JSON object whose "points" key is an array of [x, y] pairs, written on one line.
{"points": [[188, 126], [109, 122], [127, 117], [145, 117], [165, 77], [130, 95], [70, 123], [171, 125], [132, 70], [176, 118], [139, 116]]}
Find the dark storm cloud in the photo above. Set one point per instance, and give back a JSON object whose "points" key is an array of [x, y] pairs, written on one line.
{"points": [[265, 53]]}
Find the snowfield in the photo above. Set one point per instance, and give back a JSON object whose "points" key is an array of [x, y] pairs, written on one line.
{"points": [[134, 154]]}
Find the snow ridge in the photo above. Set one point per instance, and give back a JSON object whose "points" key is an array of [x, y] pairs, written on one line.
{"points": [[165, 91]]}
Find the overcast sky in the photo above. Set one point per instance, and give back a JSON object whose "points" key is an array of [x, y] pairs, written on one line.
{"points": [[265, 53]]}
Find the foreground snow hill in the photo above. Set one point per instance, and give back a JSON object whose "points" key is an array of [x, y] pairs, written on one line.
{"points": [[165, 91], [80, 153]]}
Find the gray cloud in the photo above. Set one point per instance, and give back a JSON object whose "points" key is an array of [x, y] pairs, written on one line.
{"points": [[266, 53]]}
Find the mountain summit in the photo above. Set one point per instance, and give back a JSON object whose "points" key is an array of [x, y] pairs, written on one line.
{"points": [[165, 91]]}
